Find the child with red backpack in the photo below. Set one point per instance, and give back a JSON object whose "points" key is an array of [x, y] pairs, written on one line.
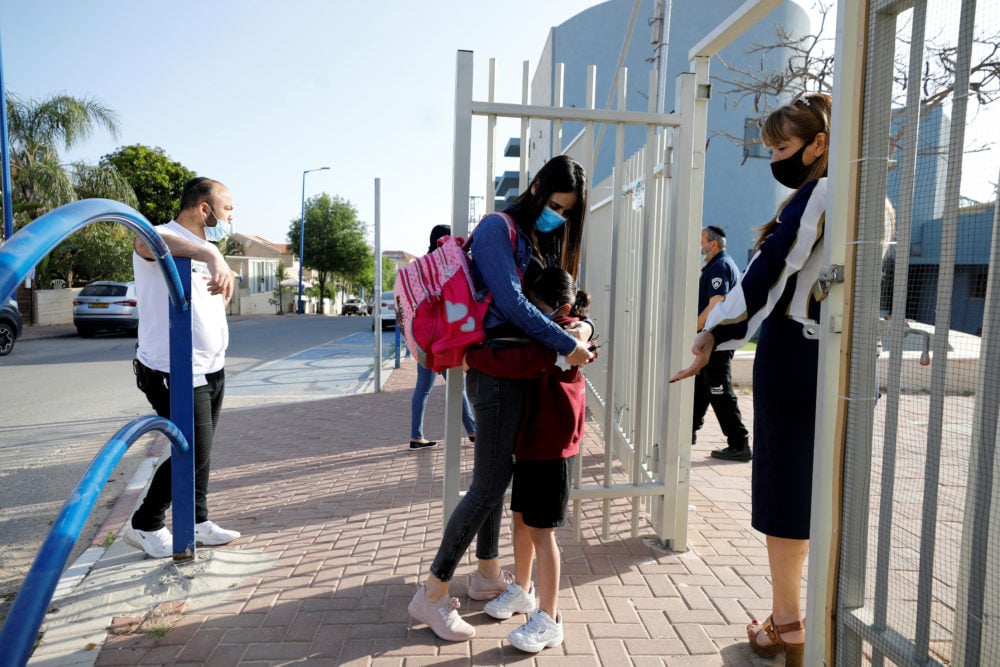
{"points": [[544, 224], [547, 444]]}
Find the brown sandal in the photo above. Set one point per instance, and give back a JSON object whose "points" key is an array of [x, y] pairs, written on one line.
{"points": [[793, 652]]}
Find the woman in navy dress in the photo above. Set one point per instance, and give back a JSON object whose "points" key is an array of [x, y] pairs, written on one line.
{"points": [[776, 294]]}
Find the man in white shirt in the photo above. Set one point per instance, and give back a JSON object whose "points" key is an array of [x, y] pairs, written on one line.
{"points": [[206, 209]]}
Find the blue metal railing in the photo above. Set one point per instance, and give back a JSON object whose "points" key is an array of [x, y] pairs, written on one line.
{"points": [[18, 255], [28, 611]]}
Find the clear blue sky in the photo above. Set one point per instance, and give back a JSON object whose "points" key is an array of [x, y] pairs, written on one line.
{"points": [[253, 92]]}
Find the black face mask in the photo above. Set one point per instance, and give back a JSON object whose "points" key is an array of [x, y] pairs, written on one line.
{"points": [[790, 172]]}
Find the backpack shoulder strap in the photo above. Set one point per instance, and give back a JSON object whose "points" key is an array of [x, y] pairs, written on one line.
{"points": [[511, 228]]}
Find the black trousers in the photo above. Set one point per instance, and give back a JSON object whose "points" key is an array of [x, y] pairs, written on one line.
{"points": [[207, 405], [714, 386]]}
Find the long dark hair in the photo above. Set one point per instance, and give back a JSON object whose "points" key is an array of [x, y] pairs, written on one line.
{"points": [[804, 117], [560, 174]]}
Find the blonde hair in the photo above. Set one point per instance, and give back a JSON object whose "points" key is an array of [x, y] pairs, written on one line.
{"points": [[805, 116]]}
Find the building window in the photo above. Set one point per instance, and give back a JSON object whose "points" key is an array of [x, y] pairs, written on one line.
{"points": [[752, 145], [977, 284]]}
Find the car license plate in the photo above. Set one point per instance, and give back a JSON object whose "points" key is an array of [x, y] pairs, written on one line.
{"points": [[98, 305]]}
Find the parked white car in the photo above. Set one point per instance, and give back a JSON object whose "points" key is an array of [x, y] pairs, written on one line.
{"points": [[387, 307]]}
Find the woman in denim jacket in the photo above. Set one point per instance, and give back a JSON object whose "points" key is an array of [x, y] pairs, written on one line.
{"points": [[548, 221]]}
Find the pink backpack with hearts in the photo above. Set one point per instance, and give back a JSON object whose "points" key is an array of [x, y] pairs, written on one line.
{"points": [[436, 304]]}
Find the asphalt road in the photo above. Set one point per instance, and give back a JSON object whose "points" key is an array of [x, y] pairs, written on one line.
{"points": [[64, 396]]}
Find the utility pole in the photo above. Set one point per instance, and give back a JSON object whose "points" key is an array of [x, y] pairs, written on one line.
{"points": [[660, 38]]}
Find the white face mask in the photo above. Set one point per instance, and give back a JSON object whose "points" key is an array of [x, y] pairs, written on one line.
{"points": [[221, 230]]}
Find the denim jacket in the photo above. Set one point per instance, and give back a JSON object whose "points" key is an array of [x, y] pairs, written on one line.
{"points": [[495, 269]]}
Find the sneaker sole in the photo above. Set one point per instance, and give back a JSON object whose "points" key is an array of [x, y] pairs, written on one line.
{"points": [[483, 596], [500, 617], [133, 542], [415, 615], [535, 648]]}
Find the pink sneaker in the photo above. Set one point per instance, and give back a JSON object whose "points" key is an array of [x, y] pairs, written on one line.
{"points": [[484, 588], [441, 616]]}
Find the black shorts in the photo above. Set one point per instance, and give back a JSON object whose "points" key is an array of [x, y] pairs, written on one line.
{"points": [[540, 491]]}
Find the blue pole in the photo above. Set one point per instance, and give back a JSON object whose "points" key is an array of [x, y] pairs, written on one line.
{"points": [[302, 242], [182, 414], [8, 200], [398, 343], [302, 235]]}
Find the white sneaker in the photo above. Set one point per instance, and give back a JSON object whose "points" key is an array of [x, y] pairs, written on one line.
{"points": [[539, 632], [514, 600], [210, 534], [156, 543]]}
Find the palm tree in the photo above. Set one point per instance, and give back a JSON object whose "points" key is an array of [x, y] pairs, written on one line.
{"points": [[38, 129], [40, 181]]}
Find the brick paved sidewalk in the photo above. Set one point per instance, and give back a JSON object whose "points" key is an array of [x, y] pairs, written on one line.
{"points": [[343, 521]]}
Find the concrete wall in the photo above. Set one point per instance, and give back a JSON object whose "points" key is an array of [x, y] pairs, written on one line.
{"points": [[54, 306], [257, 304]]}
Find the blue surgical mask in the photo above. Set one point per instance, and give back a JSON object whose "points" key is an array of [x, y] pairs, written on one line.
{"points": [[549, 220], [221, 230]]}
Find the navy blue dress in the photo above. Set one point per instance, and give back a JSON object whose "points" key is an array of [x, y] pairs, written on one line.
{"points": [[775, 295]]}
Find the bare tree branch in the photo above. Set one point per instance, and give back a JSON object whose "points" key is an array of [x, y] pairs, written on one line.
{"points": [[807, 64]]}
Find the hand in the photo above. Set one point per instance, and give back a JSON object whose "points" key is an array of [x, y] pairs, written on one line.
{"points": [[222, 281], [465, 362], [581, 355], [704, 343], [580, 330]]}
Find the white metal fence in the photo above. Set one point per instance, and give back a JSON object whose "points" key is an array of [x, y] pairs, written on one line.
{"points": [[632, 442], [919, 556], [639, 267]]}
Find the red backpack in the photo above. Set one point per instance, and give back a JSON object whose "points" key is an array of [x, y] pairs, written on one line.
{"points": [[436, 304]]}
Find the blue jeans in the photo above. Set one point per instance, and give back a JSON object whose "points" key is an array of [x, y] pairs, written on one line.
{"points": [[499, 405], [418, 404]]}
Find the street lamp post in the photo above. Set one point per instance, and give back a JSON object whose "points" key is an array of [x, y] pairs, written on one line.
{"points": [[302, 235]]}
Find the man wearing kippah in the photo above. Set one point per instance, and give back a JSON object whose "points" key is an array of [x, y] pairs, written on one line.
{"points": [[206, 214]]}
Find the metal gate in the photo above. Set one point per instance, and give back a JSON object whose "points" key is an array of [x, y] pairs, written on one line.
{"points": [[631, 449], [638, 266], [919, 554]]}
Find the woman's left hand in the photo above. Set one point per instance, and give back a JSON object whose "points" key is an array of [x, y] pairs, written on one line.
{"points": [[704, 343], [581, 330]]}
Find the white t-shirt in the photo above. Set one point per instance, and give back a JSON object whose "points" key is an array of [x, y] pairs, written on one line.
{"points": [[210, 330]]}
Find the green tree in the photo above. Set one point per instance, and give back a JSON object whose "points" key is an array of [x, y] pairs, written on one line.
{"points": [[38, 130], [156, 179], [334, 240], [40, 182], [366, 278], [102, 251], [230, 247]]}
